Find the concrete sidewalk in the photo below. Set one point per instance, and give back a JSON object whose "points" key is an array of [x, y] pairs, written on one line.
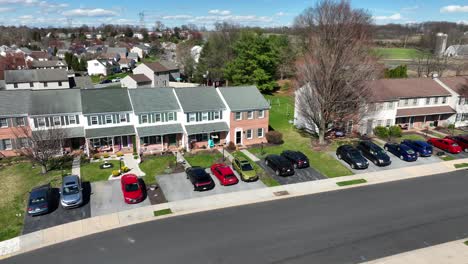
{"points": [[250, 155], [76, 165], [102, 223]]}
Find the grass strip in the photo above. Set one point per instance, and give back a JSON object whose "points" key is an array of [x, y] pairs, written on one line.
{"points": [[162, 212], [352, 182], [447, 158], [461, 165]]}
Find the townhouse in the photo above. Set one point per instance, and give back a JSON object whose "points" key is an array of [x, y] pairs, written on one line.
{"points": [[414, 103], [36, 79], [143, 120]]}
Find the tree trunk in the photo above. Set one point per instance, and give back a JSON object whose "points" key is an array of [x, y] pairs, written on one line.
{"points": [[43, 169], [322, 133]]}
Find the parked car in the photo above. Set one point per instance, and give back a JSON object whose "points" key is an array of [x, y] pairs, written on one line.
{"points": [[280, 165], [374, 153], [445, 144], [224, 174], [40, 200], [336, 132], [71, 194], [421, 147], [245, 169], [201, 180], [117, 79], [105, 81], [462, 141], [131, 189], [352, 156], [402, 151], [297, 158]]}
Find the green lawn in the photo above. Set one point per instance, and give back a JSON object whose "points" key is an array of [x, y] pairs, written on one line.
{"points": [[447, 158], [412, 137], [162, 212], [17, 181], [156, 165], [92, 173], [282, 110], [203, 159], [97, 78], [461, 165], [264, 177], [399, 53], [352, 182], [150, 59]]}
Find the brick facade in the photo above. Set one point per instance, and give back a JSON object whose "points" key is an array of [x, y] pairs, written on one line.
{"points": [[246, 124], [12, 133]]}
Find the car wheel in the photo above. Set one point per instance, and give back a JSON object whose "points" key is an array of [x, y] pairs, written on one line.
{"points": [[386, 148], [339, 156], [401, 157], [375, 162], [466, 150], [277, 173], [352, 166], [295, 166], [266, 162]]}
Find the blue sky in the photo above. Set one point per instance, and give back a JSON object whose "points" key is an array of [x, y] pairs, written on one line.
{"points": [[206, 12]]}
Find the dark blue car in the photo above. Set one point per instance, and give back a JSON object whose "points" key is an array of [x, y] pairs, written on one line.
{"points": [[402, 151], [422, 148]]}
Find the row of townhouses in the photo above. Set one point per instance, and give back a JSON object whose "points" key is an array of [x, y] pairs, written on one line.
{"points": [[414, 103], [146, 119]]}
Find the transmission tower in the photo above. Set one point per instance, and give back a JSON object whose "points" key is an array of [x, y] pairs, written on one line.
{"points": [[70, 22], [142, 19]]}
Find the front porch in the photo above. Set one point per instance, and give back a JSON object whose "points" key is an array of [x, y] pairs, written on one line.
{"points": [[110, 140], [156, 139], [425, 117], [207, 136]]}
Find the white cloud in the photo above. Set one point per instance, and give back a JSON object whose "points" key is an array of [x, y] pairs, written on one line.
{"points": [[19, 2], [396, 16], [464, 22], [410, 8], [6, 9], [86, 12], [454, 9], [281, 14], [177, 17], [219, 12], [26, 17]]}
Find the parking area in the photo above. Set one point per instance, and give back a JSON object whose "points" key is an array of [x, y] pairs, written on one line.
{"points": [[461, 155], [107, 198], [300, 175], [177, 187], [58, 215], [396, 163]]}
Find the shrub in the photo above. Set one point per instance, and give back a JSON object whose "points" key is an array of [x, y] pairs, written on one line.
{"points": [[395, 131], [451, 126], [124, 169], [115, 173], [106, 155], [286, 85], [274, 137], [97, 156], [381, 132], [231, 146], [135, 156], [119, 154]]}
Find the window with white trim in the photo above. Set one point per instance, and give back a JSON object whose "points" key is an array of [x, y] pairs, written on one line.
{"points": [[216, 116], [41, 122], [238, 115], [7, 144], [144, 119], [72, 120], [249, 134], [261, 114], [444, 100], [415, 101], [389, 123], [108, 119], [3, 122], [436, 100], [205, 116], [94, 120], [379, 122], [57, 121], [192, 117], [170, 116], [20, 121], [158, 118], [428, 101], [260, 132], [390, 105], [250, 114], [123, 118]]}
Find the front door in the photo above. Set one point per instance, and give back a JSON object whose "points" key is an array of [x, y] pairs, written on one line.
{"points": [[238, 137], [370, 123], [172, 139], [411, 122]]}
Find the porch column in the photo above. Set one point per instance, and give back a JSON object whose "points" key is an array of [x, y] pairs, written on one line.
{"points": [[162, 142], [113, 146], [424, 124], [87, 147]]}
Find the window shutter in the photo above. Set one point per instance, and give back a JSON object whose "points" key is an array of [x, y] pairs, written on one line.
{"points": [[210, 116], [114, 118], [220, 114], [198, 117], [63, 120], [128, 118], [2, 146], [35, 122], [139, 119], [77, 119], [175, 116], [67, 122], [89, 120], [187, 118], [118, 118], [165, 117], [100, 119], [47, 121]]}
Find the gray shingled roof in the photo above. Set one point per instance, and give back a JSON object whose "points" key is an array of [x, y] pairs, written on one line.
{"points": [[83, 82], [149, 100], [69, 132], [206, 128], [171, 66], [243, 98], [59, 101], [110, 131], [160, 130], [109, 100], [14, 102], [199, 99], [37, 75], [49, 63], [118, 50]]}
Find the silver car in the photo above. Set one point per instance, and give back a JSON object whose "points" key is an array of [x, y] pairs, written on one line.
{"points": [[71, 192]]}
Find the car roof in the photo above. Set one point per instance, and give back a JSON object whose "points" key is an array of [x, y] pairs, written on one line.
{"points": [[39, 191], [346, 147], [70, 179], [295, 153], [42, 187], [129, 178], [225, 169]]}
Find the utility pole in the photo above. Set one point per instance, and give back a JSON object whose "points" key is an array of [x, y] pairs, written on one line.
{"points": [[142, 19]]}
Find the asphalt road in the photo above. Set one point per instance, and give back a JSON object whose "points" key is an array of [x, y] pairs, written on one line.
{"points": [[347, 226]]}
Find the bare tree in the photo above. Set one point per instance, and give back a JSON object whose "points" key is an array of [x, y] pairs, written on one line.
{"points": [[40, 146], [336, 64], [427, 65]]}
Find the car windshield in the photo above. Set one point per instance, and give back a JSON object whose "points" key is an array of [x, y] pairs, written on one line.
{"points": [[229, 176], [37, 200], [71, 190], [355, 154], [132, 187], [246, 167], [410, 151], [454, 145]]}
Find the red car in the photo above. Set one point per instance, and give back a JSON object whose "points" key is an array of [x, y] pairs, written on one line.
{"points": [[131, 189], [462, 141], [224, 174], [445, 144]]}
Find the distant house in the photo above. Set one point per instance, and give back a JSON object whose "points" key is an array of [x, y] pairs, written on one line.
{"points": [[141, 50], [174, 72], [126, 64], [133, 56], [102, 67], [457, 51], [135, 81], [61, 53], [138, 36], [82, 82], [117, 52], [49, 64], [36, 79], [40, 55], [24, 50], [156, 72], [95, 49]]}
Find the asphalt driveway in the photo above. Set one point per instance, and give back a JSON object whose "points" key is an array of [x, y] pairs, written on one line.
{"points": [[58, 216], [461, 155], [107, 198], [397, 163], [176, 187], [300, 175]]}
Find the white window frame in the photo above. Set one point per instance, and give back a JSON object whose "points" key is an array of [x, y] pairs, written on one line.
{"points": [[216, 116], [247, 132], [39, 119], [444, 100], [72, 120], [428, 101], [250, 115], [23, 121], [55, 119], [94, 118], [170, 116], [388, 122], [5, 144], [192, 117], [261, 113], [5, 124], [262, 134], [240, 115], [158, 116], [123, 118], [415, 101], [205, 116], [142, 119], [108, 118], [436, 100]]}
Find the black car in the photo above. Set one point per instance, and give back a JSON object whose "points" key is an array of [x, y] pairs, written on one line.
{"points": [[40, 200], [297, 158], [352, 156], [280, 165], [105, 81], [374, 153], [201, 180]]}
